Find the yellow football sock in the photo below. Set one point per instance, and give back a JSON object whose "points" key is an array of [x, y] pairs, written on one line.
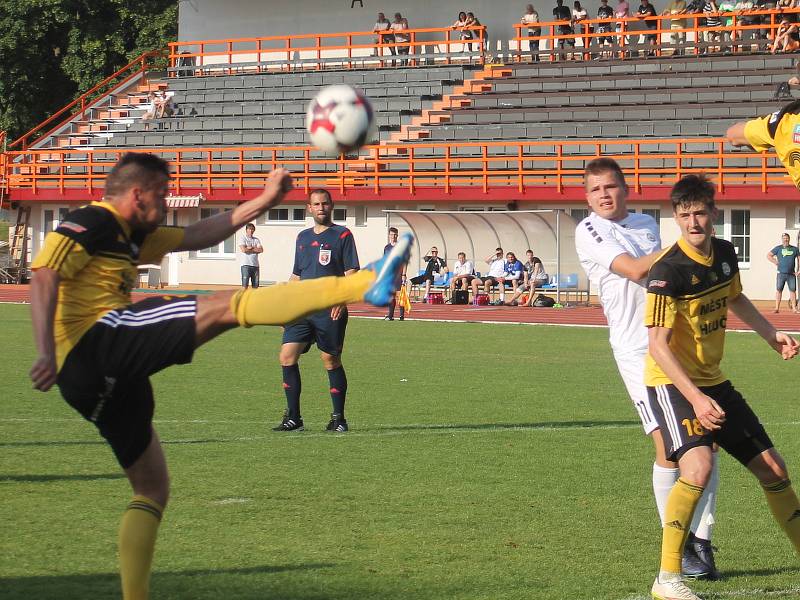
{"points": [[785, 508], [678, 513], [287, 302], [137, 541]]}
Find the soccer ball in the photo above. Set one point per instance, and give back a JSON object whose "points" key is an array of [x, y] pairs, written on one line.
{"points": [[339, 119]]}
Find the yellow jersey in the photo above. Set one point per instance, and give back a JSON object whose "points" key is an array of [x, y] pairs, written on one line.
{"points": [[689, 293], [780, 130], [96, 256]]}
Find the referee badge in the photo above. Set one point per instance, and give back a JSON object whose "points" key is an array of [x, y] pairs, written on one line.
{"points": [[324, 257]]}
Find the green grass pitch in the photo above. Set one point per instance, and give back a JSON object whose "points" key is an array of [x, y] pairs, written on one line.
{"points": [[485, 462]]}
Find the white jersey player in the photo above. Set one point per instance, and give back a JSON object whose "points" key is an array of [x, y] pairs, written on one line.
{"points": [[616, 249]]}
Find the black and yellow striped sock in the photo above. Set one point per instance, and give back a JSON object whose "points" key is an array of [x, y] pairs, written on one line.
{"points": [[137, 542], [286, 302], [682, 501], [785, 508]]}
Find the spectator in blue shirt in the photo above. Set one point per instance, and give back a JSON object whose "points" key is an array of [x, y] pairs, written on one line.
{"points": [[785, 258], [513, 272]]}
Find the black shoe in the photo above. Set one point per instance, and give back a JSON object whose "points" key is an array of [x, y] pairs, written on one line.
{"points": [[289, 424], [337, 423], [698, 560]]}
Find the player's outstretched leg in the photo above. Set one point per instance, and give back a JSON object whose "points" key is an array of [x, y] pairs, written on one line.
{"points": [[287, 302]]}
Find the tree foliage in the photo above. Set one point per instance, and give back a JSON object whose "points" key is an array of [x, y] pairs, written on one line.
{"points": [[51, 51]]}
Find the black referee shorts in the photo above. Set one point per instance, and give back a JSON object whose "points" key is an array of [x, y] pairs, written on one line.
{"points": [[105, 377], [742, 435]]}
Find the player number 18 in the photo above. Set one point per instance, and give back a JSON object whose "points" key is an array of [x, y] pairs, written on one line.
{"points": [[693, 427]]}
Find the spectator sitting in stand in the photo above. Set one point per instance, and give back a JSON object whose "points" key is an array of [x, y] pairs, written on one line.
{"points": [[495, 276], [162, 102], [535, 276], [463, 274], [787, 37], [150, 107], [435, 266]]}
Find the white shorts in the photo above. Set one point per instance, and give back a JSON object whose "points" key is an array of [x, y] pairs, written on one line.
{"points": [[631, 368]]}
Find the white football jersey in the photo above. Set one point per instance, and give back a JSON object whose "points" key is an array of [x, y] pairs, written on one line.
{"points": [[598, 242]]}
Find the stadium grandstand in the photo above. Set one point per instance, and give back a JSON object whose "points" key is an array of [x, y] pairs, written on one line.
{"points": [[502, 122]]}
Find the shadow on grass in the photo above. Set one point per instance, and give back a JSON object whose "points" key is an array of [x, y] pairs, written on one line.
{"points": [[59, 477], [513, 426], [759, 572], [243, 583], [48, 443]]}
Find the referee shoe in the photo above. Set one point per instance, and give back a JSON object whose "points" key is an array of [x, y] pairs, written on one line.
{"points": [[337, 423], [389, 270], [289, 424]]}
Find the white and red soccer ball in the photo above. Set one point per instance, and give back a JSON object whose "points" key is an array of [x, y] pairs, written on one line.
{"points": [[340, 119]]}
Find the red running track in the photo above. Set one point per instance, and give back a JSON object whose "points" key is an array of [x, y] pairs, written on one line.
{"points": [[591, 316]]}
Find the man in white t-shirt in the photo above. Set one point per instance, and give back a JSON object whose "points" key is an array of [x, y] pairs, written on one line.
{"points": [[250, 248], [495, 276], [381, 29], [463, 274], [616, 249]]}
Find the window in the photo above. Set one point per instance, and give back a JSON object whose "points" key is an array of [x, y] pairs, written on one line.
{"points": [[579, 214], [224, 248], [740, 234], [734, 225], [472, 208], [361, 215], [49, 218], [339, 214], [285, 214], [653, 212]]}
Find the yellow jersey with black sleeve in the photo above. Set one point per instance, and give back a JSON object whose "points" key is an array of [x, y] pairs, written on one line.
{"points": [[689, 293], [96, 256], [780, 130]]}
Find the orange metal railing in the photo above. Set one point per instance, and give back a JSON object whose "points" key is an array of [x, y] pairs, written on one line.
{"points": [[315, 51], [672, 33], [137, 67], [484, 166]]}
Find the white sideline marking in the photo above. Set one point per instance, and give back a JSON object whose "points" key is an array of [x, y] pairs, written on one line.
{"points": [[740, 593]]}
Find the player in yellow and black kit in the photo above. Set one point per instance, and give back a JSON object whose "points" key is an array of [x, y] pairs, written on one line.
{"points": [[780, 130], [690, 289], [100, 349]]}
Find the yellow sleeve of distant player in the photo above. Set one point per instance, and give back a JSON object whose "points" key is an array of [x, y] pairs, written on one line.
{"points": [[61, 254], [159, 243], [757, 133], [736, 287], [660, 311]]}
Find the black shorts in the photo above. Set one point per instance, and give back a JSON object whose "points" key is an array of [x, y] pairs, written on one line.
{"points": [[742, 435], [105, 377], [422, 278], [491, 280], [319, 328]]}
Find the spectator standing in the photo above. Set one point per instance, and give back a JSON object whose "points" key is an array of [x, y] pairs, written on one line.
{"points": [[399, 27], [646, 9], [460, 24], [250, 247], [622, 12], [472, 21], [435, 265], [562, 13], [382, 26], [495, 276], [579, 15], [677, 37], [604, 12], [726, 7], [393, 234], [743, 8], [785, 257], [531, 19], [463, 274], [711, 12]]}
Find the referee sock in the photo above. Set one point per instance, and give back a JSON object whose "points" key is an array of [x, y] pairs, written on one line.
{"points": [[338, 381], [681, 504], [137, 542], [292, 387], [286, 302], [663, 480], [785, 508]]}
